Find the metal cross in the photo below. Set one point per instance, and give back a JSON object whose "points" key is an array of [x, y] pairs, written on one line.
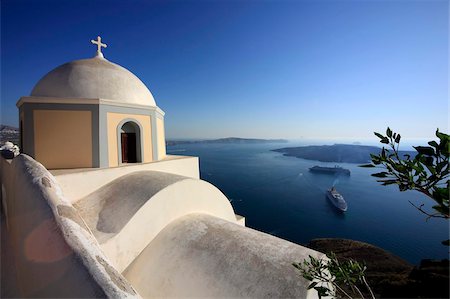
{"points": [[99, 44]]}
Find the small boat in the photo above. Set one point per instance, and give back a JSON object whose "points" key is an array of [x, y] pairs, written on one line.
{"points": [[330, 170], [337, 199]]}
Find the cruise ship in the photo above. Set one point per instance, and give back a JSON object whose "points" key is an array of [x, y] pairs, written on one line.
{"points": [[330, 170], [337, 199]]}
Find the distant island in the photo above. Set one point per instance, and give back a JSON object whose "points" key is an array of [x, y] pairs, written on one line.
{"points": [[226, 140], [340, 153]]}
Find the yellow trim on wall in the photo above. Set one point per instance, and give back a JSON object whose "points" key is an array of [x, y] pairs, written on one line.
{"points": [[63, 138]]}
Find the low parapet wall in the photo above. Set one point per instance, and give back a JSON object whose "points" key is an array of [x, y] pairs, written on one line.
{"points": [[54, 254], [78, 183]]}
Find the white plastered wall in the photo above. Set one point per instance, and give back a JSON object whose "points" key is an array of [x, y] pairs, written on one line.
{"points": [[179, 199], [201, 256], [79, 183], [161, 138], [55, 255]]}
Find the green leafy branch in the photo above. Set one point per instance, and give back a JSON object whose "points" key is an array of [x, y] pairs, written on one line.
{"points": [[427, 172], [329, 277]]}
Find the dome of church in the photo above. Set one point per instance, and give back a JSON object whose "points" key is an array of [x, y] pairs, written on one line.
{"points": [[94, 78]]}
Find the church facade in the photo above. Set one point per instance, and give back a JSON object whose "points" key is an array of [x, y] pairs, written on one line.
{"points": [[91, 113]]}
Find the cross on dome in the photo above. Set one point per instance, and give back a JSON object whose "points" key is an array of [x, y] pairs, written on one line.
{"points": [[99, 44]]}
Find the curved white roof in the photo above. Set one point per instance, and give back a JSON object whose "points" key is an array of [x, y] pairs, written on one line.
{"points": [[202, 256], [94, 78]]}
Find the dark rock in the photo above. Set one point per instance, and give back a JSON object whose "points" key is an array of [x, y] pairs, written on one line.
{"points": [[389, 275]]}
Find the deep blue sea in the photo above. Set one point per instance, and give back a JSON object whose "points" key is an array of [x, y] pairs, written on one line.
{"points": [[278, 195]]}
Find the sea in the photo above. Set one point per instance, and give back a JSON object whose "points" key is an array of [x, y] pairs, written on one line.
{"points": [[280, 196]]}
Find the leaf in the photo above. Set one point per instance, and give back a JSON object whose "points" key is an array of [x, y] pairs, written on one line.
{"points": [[388, 132], [312, 285], [407, 156], [389, 182], [441, 166], [427, 161], [403, 187], [440, 193], [307, 276], [399, 167], [443, 143], [434, 144], [367, 165], [379, 135], [375, 159], [442, 210], [418, 167], [445, 148], [384, 140], [322, 291], [425, 150], [397, 139], [380, 174], [442, 136]]}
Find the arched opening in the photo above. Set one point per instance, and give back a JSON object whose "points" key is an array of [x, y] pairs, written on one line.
{"points": [[130, 143]]}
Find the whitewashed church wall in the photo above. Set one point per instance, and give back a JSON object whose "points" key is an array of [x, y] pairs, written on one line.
{"points": [[161, 142], [76, 184], [201, 256], [182, 198], [55, 255]]}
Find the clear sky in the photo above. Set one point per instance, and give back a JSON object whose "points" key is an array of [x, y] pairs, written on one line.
{"points": [[270, 69]]}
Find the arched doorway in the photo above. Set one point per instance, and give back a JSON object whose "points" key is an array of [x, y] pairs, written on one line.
{"points": [[130, 143]]}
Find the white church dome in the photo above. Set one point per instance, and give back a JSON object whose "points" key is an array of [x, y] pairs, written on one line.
{"points": [[94, 78]]}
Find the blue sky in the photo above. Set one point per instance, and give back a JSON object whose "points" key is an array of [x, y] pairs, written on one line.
{"points": [[270, 69]]}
